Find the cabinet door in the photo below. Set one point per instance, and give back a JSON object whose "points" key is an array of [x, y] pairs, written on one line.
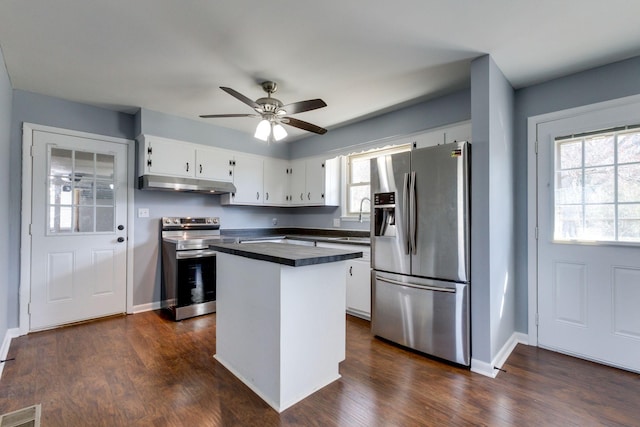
{"points": [[297, 182], [315, 173], [214, 164], [359, 289], [165, 157], [276, 180], [247, 177]]}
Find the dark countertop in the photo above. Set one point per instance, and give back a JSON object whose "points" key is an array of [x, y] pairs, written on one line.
{"points": [[286, 254]]}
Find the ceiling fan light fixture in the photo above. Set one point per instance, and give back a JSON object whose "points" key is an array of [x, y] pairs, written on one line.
{"points": [[263, 130], [279, 132]]}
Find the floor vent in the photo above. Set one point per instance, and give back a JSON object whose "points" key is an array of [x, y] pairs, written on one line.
{"points": [[26, 417]]}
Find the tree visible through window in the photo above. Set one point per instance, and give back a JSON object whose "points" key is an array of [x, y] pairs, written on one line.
{"points": [[597, 187]]}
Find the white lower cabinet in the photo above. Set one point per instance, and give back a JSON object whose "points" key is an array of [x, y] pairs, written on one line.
{"points": [[358, 280]]}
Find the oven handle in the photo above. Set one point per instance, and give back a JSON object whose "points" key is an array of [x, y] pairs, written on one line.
{"points": [[199, 253]]}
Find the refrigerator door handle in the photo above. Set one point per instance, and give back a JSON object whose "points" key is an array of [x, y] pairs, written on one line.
{"points": [[407, 215], [413, 214], [411, 285]]}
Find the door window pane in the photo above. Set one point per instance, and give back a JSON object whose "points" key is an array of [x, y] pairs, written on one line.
{"points": [[597, 187], [78, 201]]}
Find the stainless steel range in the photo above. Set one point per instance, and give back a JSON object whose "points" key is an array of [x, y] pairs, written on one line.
{"points": [[189, 266]]}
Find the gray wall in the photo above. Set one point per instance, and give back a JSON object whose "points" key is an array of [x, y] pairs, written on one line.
{"points": [[6, 96], [600, 84], [492, 209]]}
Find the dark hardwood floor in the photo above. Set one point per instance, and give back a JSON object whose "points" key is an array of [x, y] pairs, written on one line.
{"points": [[145, 370]]}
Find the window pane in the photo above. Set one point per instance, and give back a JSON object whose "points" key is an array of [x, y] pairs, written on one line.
{"points": [[105, 219], [570, 155], [629, 183], [84, 165], [629, 147], [599, 185], [569, 187], [360, 171], [568, 222], [105, 166], [59, 190], [356, 194], [61, 162], [629, 222], [84, 192], [599, 150], [85, 219], [104, 193], [599, 222], [60, 219]]}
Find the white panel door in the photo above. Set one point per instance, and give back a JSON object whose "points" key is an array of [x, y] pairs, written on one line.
{"points": [[589, 236], [78, 229]]}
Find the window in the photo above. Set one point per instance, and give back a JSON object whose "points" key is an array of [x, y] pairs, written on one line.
{"points": [[597, 186], [358, 180]]}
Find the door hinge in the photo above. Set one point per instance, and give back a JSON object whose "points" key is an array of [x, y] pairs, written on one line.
{"points": [[536, 147], [32, 151], [536, 232], [30, 229], [28, 308], [537, 319]]}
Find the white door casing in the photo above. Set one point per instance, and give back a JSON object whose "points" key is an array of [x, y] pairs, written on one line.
{"points": [[75, 268], [586, 294]]}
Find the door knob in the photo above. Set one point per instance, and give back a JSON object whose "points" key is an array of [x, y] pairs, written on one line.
{"points": [[120, 239], [121, 227]]}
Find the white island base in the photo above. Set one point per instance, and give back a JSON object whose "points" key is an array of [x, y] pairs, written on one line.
{"points": [[280, 329]]}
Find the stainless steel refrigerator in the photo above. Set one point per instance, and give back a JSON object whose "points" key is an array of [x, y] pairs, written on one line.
{"points": [[420, 250]]}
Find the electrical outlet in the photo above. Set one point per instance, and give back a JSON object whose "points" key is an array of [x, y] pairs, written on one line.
{"points": [[336, 222], [274, 221], [143, 212]]}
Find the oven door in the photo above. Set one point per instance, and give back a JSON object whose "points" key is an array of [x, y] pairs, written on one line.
{"points": [[196, 277]]}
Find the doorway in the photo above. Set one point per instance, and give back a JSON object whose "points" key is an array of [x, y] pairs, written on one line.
{"points": [[76, 224], [587, 253]]}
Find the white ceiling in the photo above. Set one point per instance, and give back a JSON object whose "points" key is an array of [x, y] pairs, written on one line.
{"points": [[361, 56]]}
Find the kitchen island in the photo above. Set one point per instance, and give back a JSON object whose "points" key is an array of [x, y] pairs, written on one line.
{"points": [[280, 322]]}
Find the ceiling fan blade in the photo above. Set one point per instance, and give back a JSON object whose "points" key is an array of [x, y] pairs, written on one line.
{"points": [[302, 106], [212, 116], [300, 124], [250, 102]]}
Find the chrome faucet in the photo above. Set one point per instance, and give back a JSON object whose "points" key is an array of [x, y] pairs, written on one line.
{"points": [[361, 201]]}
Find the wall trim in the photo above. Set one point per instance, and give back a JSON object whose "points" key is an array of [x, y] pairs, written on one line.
{"points": [[6, 343], [492, 369], [141, 308]]}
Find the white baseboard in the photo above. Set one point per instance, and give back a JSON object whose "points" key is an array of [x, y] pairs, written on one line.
{"points": [[492, 369], [147, 307], [6, 343]]}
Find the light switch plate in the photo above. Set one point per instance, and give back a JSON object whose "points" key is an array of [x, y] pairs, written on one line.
{"points": [[143, 212], [336, 222]]}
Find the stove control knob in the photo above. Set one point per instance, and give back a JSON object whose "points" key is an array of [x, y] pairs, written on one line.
{"points": [[209, 220], [176, 221], [167, 220]]}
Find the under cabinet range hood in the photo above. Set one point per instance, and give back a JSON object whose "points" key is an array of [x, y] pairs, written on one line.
{"points": [[170, 183]]}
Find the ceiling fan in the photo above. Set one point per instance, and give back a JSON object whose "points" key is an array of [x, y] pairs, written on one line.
{"points": [[274, 113]]}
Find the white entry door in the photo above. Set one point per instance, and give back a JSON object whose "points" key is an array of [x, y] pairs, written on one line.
{"points": [[78, 229], [589, 236]]}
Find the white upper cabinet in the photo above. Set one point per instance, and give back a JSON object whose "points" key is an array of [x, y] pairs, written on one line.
{"points": [[214, 164], [248, 179], [298, 182], [315, 182], [160, 156], [276, 182]]}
